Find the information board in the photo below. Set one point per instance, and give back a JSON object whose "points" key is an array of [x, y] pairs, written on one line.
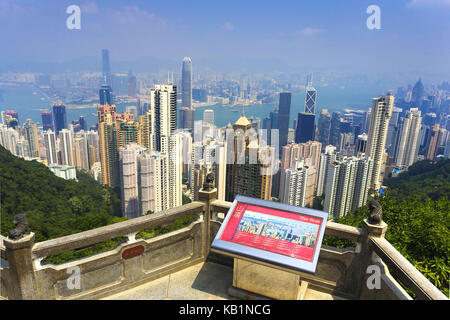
{"points": [[285, 235]]}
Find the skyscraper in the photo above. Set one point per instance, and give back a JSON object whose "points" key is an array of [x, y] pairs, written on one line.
{"points": [[326, 158], [248, 164], [59, 116], [81, 151], [50, 147], [417, 94], [208, 116], [66, 147], [106, 71], [186, 83], [376, 141], [187, 118], [297, 187], [31, 137], [47, 120], [305, 127], [408, 143], [347, 185], [284, 109], [310, 97], [433, 144], [105, 95], [335, 133], [324, 128], [164, 115]]}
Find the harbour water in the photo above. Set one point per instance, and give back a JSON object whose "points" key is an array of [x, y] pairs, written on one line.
{"points": [[29, 105]]}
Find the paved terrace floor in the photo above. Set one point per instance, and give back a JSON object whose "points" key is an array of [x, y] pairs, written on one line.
{"points": [[203, 281]]}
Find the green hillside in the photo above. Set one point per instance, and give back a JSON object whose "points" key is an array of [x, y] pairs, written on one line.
{"points": [[55, 207]]}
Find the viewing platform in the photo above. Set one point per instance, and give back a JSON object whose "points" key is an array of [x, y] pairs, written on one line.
{"points": [[180, 264]]}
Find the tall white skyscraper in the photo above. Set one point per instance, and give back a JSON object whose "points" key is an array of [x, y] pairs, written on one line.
{"points": [[297, 186], [163, 115], [408, 144], [376, 142], [329, 156], [9, 138], [186, 83], [347, 185], [50, 147], [66, 147], [145, 183], [81, 151]]}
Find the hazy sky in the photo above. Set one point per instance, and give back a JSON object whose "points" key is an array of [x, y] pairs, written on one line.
{"points": [[414, 35]]}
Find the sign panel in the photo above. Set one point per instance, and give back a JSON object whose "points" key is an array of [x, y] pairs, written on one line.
{"points": [[277, 233]]}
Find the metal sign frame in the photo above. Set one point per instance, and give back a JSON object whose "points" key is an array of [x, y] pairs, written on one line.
{"points": [[241, 250]]}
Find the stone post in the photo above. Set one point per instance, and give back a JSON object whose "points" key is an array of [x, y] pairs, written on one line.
{"points": [[21, 269], [369, 231], [207, 197]]}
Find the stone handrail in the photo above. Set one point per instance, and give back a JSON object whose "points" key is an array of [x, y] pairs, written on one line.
{"points": [[405, 271], [124, 228]]}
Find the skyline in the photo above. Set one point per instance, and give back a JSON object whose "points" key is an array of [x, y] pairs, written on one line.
{"points": [[295, 36]]}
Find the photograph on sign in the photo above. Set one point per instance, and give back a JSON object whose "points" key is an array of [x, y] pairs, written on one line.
{"points": [[273, 232]]}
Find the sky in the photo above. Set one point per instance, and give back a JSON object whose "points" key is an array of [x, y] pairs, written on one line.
{"points": [[288, 35]]}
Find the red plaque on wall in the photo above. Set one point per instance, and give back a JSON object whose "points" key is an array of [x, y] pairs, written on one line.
{"points": [[133, 252]]}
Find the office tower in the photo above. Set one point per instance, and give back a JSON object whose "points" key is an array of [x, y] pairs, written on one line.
{"points": [[408, 142], [335, 129], [324, 127], [47, 120], [81, 151], [305, 127], [13, 114], [31, 136], [249, 165], [105, 95], [417, 94], [208, 116], [433, 144], [83, 123], [59, 116], [361, 144], [132, 85], [119, 85], [284, 109], [376, 141], [310, 97], [298, 185], [164, 115], [175, 175], [393, 130], [66, 147], [347, 185], [329, 156], [106, 71], [187, 118], [50, 147], [186, 83]]}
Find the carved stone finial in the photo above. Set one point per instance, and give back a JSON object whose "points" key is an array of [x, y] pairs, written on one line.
{"points": [[209, 182], [21, 227], [376, 212]]}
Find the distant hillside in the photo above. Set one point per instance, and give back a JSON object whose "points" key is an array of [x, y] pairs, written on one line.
{"points": [[425, 179], [55, 207]]}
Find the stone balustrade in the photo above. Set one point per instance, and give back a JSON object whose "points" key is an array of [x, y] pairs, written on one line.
{"points": [[341, 272]]}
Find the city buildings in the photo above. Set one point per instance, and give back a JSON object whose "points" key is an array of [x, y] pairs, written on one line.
{"points": [[284, 109], [408, 143], [306, 127], [59, 116], [186, 83], [323, 128], [376, 141]]}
